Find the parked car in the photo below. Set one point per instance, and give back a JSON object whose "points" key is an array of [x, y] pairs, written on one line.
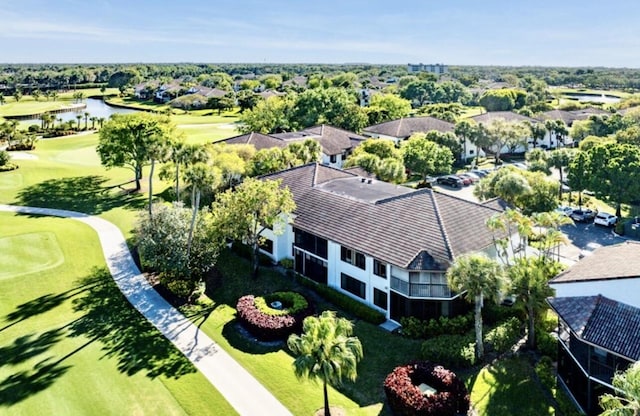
{"points": [[582, 215], [567, 211], [480, 173], [450, 180], [466, 181], [605, 219], [474, 178]]}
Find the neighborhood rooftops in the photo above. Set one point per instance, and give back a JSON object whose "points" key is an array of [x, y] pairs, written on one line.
{"points": [[417, 229], [619, 261], [601, 321], [403, 128]]}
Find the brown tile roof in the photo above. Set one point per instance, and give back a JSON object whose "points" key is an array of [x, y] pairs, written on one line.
{"points": [[567, 116], [259, 140], [333, 140], [624, 111], [619, 261], [585, 113], [399, 225], [611, 325], [405, 127], [505, 115]]}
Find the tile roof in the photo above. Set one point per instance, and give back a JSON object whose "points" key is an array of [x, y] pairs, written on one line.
{"points": [[617, 261], [333, 140], [405, 127], [567, 116], [611, 325], [402, 226], [624, 111], [505, 115], [585, 113]]}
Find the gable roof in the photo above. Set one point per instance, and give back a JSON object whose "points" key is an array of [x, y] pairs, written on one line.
{"points": [[585, 113], [601, 321], [333, 140], [405, 127], [619, 261], [415, 229], [567, 116], [509, 116]]}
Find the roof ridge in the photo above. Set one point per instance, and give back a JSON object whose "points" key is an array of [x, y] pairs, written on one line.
{"points": [[597, 302], [266, 176], [399, 127], [396, 197], [443, 230], [480, 204]]}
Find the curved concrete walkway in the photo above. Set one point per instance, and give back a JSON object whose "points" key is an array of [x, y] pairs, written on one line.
{"points": [[241, 390]]}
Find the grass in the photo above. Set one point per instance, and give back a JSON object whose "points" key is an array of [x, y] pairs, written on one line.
{"points": [[507, 387], [28, 105], [71, 344]]}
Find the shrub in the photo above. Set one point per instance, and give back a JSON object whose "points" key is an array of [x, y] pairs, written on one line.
{"points": [[544, 370], [493, 313], [346, 303], [452, 350], [4, 157], [418, 329], [287, 263], [503, 336], [268, 327], [405, 398], [244, 251], [547, 344], [292, 303]]}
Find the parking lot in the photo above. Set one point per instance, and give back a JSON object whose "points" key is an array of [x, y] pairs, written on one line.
{"points": [[579, 235]]}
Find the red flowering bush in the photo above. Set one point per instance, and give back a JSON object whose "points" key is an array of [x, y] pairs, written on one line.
{"points": [[405, 398], [267, 326]]}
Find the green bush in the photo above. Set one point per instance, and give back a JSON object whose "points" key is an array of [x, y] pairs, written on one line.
{"points": [[452, 350], [179, 287], [544, 370], [292, 303], [287, 263], [503, 336], [344, 302], [5, 157], [493, 313], [418, 329], [547, 344]]}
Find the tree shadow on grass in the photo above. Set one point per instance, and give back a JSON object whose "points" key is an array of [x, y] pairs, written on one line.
{"points": [[23, 384], [240, 339], [87, 194], [125, 334], [41, 304]]}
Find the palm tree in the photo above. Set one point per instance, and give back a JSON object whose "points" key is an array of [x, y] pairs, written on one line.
{"points": [[86, 120], [101, 121], [158, 152], [185, 155], [627, 402], [326, 351], [17, 95], [1, 98], [54, 95], [93, 122], [559, 159], [200, 176], [79, 117], [36, 95], [529, 278], [480, 277]]}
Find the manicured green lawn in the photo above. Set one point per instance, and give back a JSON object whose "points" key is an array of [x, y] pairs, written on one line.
{"points": [[507, 388], [28, 105], [71, 344]]}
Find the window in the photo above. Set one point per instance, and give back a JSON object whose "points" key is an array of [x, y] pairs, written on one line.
{"points": [[380, 298], [353, 257], [333, 158], [380, 268], [353, 286], [266, 245], [311, 243]]}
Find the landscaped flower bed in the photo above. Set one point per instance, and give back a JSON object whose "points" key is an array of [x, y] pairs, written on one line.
{"points": [[268, 323], [405, 397]]}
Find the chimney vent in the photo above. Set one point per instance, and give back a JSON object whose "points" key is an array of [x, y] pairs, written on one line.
{"points": [[369, 181]]}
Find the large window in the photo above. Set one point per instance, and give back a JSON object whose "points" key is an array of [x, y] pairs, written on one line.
{"points": [[380, 298], [379, 268], [353, 286], [266, 245], [311, 243], [353, 257]]}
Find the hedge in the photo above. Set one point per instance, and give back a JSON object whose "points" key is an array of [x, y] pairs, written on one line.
{"points": [[269, 327], [405, 398], [415, 328], [346, 303], [452, 350], [503, 336]]}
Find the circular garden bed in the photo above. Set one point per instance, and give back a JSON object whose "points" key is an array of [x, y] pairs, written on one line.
{"points": [[426, 389], [274, 316]]}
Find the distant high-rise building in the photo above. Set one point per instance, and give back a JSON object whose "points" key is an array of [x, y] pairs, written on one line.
{"points": [[433, 68]]}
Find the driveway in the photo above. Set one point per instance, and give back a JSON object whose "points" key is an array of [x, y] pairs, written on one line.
{"points": [[465, 192], [581, 234]]}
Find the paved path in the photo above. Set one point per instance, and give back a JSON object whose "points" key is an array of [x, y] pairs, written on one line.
{"points": [[241, 390]]}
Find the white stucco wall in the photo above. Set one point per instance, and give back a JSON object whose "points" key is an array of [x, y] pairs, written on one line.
{"points": [[622, 290]]}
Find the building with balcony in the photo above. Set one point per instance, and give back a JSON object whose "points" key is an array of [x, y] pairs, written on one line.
{"points": [[598, 312], [385, 245]]}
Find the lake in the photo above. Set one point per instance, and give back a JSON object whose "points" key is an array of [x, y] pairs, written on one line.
{"points": [[95, 107], [596, 98]]}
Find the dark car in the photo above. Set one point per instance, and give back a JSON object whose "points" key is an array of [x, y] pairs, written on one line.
{"points": [[450, 180], [583, 215]]}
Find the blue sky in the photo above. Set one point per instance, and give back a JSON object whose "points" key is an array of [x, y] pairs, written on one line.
{"points": [[456, 32]]}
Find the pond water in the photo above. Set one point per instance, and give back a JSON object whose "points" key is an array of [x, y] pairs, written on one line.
{"points": [[602, 98], [95, 107]]}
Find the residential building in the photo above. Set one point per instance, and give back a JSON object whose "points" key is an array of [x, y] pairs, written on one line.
{"points": [[385, 245], [509, 116], [337, 144], [433, 68], [598, 312]]}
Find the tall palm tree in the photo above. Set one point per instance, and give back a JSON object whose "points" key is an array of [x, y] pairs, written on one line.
{"points": [[158, 152], [326, 351], [86, 120], [93, 122], [560, 159], [627, 402], [101, 121], [79, 117], [184, 155], [200, 176], [481, 278]]}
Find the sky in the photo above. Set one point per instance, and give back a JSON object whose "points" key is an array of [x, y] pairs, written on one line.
{"points": [[455, 32]]}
